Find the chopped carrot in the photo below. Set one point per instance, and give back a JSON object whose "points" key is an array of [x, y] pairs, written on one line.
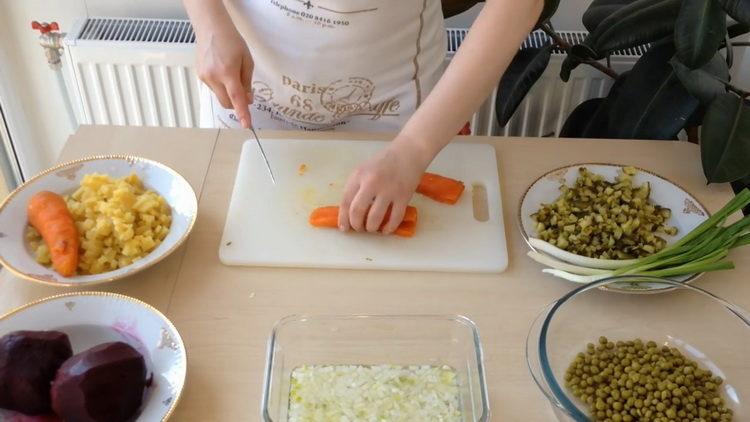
{"points": [[440, 188], [302, 169], [329, 217], [49, 214]]}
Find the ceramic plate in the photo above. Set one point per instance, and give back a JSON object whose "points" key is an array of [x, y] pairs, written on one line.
{"points": [[16, 255], [687, 212], [93, 318]]}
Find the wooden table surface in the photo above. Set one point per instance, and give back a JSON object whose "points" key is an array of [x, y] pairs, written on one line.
{"points": [[225, 314]]}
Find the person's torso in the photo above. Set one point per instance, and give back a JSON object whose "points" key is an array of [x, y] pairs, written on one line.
{"points": [[340, 64]]}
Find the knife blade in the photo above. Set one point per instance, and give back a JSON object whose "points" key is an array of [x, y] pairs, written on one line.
{"points": [[263, 153]]}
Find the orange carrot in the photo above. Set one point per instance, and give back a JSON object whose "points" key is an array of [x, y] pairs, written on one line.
{"points": [[49, 214], [440, 188], [329, 217]]}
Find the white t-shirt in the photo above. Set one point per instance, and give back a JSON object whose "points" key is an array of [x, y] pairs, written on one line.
{"points": [[336, 64]]}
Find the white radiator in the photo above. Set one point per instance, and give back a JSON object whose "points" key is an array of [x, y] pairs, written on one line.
{"points": [[136, 72], [127, 71]]}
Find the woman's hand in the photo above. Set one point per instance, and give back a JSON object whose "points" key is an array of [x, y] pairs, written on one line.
{"points": [[388, 179], [226, 66]]}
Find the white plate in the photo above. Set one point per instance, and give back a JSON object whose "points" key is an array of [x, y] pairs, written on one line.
{"points": [[687, 212], [65, 178], [93, 318]]}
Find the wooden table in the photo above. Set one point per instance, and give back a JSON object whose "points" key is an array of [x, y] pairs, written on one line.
{"points": [[226, 313]]}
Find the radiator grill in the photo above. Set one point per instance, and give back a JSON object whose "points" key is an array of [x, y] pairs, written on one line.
{"points": [[539, 39], [138, 30]]}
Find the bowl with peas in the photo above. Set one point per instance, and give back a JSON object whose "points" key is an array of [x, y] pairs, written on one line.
{"points": [[659, 358]]}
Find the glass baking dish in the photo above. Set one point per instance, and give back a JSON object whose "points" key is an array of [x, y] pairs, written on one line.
{"points": [[434, 340]]}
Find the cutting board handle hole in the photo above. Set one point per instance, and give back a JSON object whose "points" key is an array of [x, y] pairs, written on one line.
{"points": [[479, 202]]}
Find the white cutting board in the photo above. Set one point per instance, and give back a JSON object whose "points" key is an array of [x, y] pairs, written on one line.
{"points": [[267, 224]]}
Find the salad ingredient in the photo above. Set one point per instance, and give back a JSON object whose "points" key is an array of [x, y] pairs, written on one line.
{"points": [[550, 249], [601, 219], [704, 249], [328, 217], [440, 188], [119, 221], [28, 362], [49, 215], [561, 265], [102, 384], [640, 381], [374, 393]]}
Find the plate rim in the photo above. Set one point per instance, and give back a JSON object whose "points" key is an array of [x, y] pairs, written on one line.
{"points": [[525, 236], [123, 157], [126, 298]]}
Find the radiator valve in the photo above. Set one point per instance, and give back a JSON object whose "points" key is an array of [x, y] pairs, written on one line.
{"points": [[51, 39]]}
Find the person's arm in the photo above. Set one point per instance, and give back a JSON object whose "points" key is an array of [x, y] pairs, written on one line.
{"points": [[391, 176], [224, 62]]}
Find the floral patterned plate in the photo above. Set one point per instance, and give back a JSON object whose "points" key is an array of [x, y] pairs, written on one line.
{"points": [[687, 211], [93, 318], [16, 255]]}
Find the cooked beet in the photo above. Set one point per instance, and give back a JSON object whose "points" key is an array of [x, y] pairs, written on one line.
{"points": [[104, 383], [28, 363]]}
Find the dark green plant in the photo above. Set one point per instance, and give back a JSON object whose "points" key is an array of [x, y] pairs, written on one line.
{"points": [[682, 82]]}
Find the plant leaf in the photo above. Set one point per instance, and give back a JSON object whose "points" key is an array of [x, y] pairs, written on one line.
{"points": [[699, 30], [737, 29], [699, 82], [652, 103], [600, 10], [580, 120], [725, 139], [456, 7], [591, 118], [739, 10], [651, 22], [568, 65], [523, 72], [550, 7]]}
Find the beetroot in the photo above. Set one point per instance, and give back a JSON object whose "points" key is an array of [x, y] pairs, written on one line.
{"points": [[104, 383], [28, 362]]}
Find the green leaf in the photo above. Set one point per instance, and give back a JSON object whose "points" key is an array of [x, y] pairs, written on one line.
{"points": [[699, 30], [568, 65], [456, 7], [737, 29], [652, 103], [591, 118], [523, 72], [725, 139], [580, 121], [635, 24], [600, 10], [702, 83], [550, 7], [739, 10]]}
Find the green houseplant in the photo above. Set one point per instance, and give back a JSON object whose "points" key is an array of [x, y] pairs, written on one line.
{"points": [[682, 82]]}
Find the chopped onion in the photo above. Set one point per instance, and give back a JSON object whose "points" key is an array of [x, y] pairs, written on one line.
{"points": [[374, 393]]}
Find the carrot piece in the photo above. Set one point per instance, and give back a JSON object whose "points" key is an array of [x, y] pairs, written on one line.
{"points": [[406, 229], [328, 217], [49, 214], [440, 188], [325, 217]]}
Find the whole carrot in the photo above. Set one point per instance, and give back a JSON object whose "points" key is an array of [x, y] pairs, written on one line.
{"points": [[49, 214]]}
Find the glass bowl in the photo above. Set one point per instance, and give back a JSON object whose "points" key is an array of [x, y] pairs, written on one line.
{"points": [[375, 340], [705, 328]]}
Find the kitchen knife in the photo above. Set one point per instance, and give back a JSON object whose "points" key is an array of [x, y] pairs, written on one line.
{"points": [[263, 153]]}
